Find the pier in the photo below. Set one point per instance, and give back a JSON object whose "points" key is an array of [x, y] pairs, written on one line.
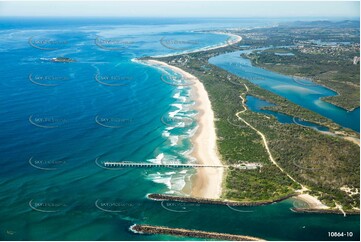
{"points": [[246, 166]]}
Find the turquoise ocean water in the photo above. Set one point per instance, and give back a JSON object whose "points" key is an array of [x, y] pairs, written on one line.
{"points": [[61, 122]]}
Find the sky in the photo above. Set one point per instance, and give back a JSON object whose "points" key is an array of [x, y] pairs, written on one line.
{"points": [[185, 8]]}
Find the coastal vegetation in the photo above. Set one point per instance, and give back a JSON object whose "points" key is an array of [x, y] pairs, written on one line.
{"points": [[322, 163], [166, 197], [324, 52]]}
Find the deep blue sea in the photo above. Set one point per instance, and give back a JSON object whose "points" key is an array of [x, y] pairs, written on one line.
{"points": [[61, 122]]}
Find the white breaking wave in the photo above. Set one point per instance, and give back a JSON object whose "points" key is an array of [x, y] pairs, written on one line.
{"points": [[158, 159], [162, 179], [173, 140], [177, 95]]}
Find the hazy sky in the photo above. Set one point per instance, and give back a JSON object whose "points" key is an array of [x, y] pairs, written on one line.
{"points": [[349, 9]]}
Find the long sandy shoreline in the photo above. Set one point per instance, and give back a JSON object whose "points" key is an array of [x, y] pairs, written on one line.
{"points": [[228, 42], [208, 181]]}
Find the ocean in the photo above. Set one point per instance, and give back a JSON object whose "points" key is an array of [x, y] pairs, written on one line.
{"points": [[61, 121]]}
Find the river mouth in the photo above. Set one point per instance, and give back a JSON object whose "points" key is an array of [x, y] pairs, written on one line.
{"points": [[57, 182]]}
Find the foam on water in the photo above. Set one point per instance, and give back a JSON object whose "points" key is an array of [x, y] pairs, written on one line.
{"points": [[158, 159], [161, 178], [181, 108], [82, 140], [174, 140]]}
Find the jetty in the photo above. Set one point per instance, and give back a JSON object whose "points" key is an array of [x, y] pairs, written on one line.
{"points": [[148, 229], [245, 166]]}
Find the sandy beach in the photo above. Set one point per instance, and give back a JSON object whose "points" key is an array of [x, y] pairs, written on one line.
{"points": [[208, 181], [231, 41], [312, 201], [236, 39]]}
